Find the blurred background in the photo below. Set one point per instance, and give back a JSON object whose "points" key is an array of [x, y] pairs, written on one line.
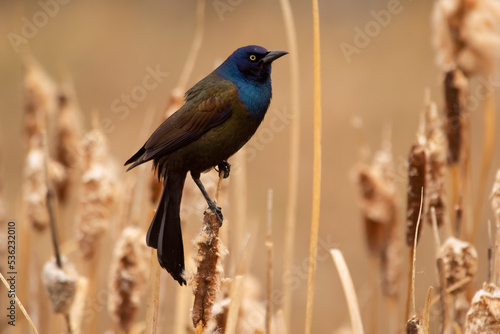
{"points": [[108, 47]]}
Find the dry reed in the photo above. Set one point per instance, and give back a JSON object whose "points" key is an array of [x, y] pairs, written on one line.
{"points": [[153, 298], [294, 146], [349, 291], [18, 302], [236, 297], [269, 246], [313, 247]]}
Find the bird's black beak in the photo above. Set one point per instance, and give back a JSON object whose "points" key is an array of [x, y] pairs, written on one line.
{"points": [[272, 56]]}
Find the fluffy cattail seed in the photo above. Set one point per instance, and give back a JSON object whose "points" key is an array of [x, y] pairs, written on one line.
{"points": [[128, 276], [495, 197], [460, 261], [97, 194], [60, 284], [484, 312]]}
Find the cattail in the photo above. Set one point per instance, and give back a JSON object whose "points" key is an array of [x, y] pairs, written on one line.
{"points": [[128, 276], [436, 167], [455, 87], [35, 185], [377, 206], [61, 284], [495, 197], [40, 99], [413, 326], [457, 262], [466, 34], [416, 182], [68, 135], [484, 312], [378, 199], [207, 280], [97, 194]]}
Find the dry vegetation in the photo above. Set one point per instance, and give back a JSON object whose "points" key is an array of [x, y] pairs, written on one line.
{"points": [[72, 175]]}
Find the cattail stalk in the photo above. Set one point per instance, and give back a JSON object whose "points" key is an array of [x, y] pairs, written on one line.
{"points": [[313, 247], [293, 165]]}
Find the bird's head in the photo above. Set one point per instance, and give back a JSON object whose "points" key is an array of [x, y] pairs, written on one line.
{"points": [[252, 63]]}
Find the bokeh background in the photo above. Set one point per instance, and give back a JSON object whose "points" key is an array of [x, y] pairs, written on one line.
{"points": [[107, 47]]}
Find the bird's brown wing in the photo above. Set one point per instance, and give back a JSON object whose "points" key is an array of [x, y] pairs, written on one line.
{"points": [[197, 116]]}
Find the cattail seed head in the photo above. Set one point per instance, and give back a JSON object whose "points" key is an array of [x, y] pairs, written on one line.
{"points": [[460, 261], [435, 145], [377, 199], [35, 185], [97, 194], [128, 276], [68, 134], [377, 206], [484, 312], [60, 284], [206, 281], [466, 34], [413, 326], [455, 87], [40, 99], [417, 161], [495, 197]]}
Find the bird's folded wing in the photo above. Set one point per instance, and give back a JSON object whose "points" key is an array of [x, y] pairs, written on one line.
{"points": [[189, 123]]}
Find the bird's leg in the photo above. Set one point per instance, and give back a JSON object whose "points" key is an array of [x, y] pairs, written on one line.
{"points": [[224, 167], [215, 209]]}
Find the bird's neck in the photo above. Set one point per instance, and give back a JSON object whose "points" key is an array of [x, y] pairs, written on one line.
{"points": [[256, 96]]}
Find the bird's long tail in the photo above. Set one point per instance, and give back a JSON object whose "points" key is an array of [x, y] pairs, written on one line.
{"points": [[164, 233]]}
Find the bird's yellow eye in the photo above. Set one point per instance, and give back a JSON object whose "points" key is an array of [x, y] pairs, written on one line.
{"points": [[253, 57]]}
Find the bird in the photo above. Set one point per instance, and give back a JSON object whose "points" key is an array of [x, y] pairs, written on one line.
{"points": [[219, 115]]}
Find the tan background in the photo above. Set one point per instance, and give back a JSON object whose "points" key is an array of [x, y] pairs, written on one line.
{"points": [[108, 45]]}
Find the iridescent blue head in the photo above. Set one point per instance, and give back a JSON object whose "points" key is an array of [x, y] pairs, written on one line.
{"points": [[249, 68], [252, 63]]}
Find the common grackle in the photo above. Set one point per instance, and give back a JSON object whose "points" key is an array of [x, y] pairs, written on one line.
{"points": [[220, 114]]}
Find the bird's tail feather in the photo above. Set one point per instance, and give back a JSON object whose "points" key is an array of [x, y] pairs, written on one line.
{"points": [[164, 233]]}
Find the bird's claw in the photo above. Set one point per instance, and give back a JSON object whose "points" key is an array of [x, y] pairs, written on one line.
{"points": [[224, 167], [217, 212]]}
